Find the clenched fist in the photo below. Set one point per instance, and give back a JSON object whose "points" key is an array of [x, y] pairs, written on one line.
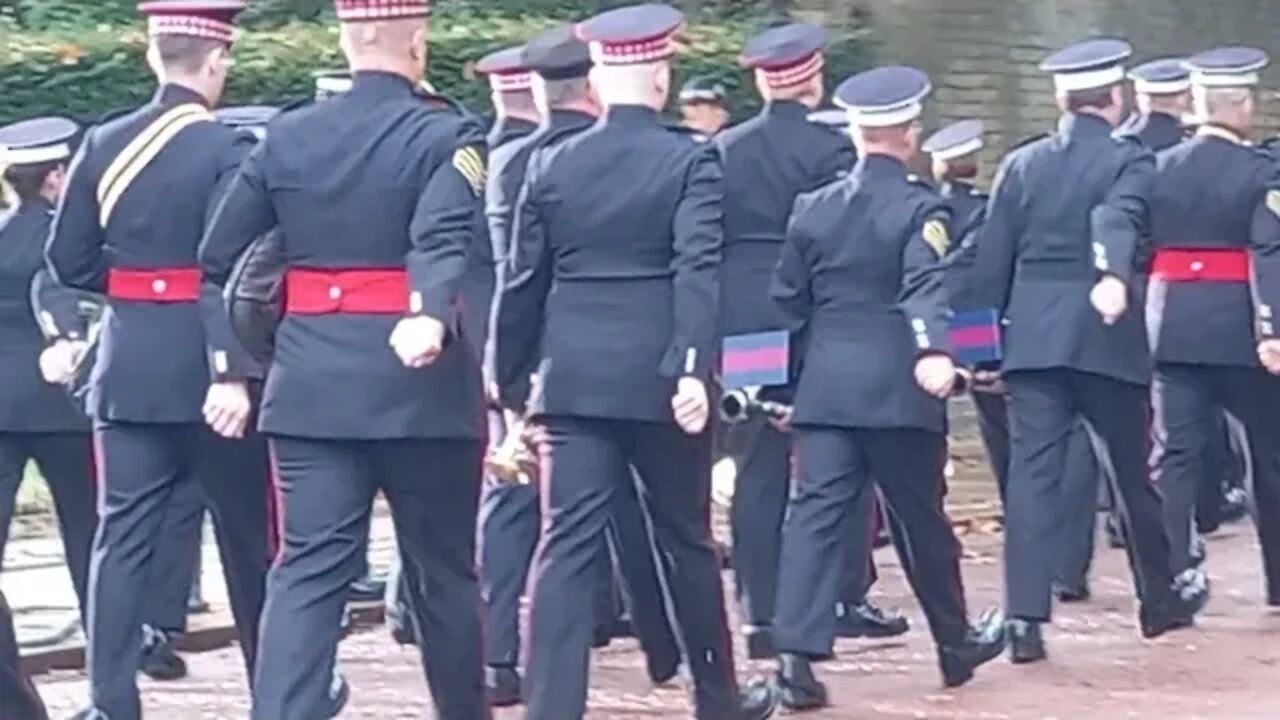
{"points": [[58, 361], [227, 408], [1269, 354], [936, 375], [691, 405], [1110, 298], [418, 340]]}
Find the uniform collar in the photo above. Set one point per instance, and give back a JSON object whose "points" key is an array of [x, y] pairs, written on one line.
{"points": [[507, 129], [1163, 118], [630, 115], [1221, 132], [953, 188], [569, 118], [174, 94], [1084, 125], [380, 84], [878, 165], [786, 108]]}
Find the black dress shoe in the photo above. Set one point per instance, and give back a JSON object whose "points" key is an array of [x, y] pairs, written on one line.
{"points": [[1026, 643], [160, 660], [401, 624], [797, 687], [622, 628], [501, 686], [1191, 594], [1072, 593], [601, 636], [760, 642], [759, 702], [662, 670], [1115, 533], [367, 591], [983, 643], [865, 620]]}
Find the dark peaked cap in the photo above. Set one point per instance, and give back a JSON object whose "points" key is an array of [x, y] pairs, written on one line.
{"points": [[558, 54]]}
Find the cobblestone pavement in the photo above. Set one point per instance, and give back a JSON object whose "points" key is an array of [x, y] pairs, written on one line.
{"points": [[1226, 669]]}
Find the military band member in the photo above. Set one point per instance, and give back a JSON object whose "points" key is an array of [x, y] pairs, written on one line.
{"points": [[1057, 264], [871, 318], [1211, 224], [704, 108], [556, 65], [768, 161], [373, 386], [128, 227], [624, 221], [38, 421]]}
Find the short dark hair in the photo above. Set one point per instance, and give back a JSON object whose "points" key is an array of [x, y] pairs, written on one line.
{"points": [[1096, 98], [28, 180], [183, 52]]}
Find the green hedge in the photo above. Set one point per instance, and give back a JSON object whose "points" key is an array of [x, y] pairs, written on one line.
{"points": [[88, 72]]}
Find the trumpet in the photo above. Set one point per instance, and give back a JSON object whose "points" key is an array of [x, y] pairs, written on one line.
{"points": [[514, 461], [739, 406]]}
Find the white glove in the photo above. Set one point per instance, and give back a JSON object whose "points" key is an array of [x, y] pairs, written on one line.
{"points": [[418, 340], [58, 361], [1110, 298]]}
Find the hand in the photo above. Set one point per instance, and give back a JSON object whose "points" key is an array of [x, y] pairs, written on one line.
{"points": [[691, 406], [1269, 354], [418, 340], [783, 422], [227, 408], [936, 375], [988, 381], [1110, 298], [58, 361]]}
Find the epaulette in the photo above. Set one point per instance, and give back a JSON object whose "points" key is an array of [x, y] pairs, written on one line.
{"points": [[688, 132], [297, 104], [441, 102], [920, 181]]}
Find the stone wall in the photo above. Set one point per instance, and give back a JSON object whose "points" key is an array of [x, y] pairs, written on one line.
{"points": [[982, 54]]}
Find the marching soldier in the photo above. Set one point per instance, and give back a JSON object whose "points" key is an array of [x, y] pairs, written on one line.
{"points": [[1214, 228], [1162, 89], [623, 350], [555, 67], [768, 161], [373, 385], [704, 107], [1056, 265], [38, 420], [880, 300], [953, 152], [128, 227]]}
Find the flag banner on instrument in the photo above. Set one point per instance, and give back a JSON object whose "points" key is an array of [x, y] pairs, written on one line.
{"points": [[756, 360], [975, 336]]}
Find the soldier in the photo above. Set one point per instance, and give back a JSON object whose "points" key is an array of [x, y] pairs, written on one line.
{"points": [[704, 107], [1163, 92], [38, 421], [135, 207], [346, 417], [556, 65], [768, 161], [18, 696], [880, 300], [623, 350], [1056, 265], [1213, 226]]}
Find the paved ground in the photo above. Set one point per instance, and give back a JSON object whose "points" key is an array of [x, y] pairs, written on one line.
{"points": [[1227, 669]]}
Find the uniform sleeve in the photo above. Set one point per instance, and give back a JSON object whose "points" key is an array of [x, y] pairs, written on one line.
{"points": [[922, 295], [58, 308], [1264, 249], [524, 280], [698, 231], [75, 252], [792, 290], [448, 214], [501, 195], [997, 251], [1119, 223], [243, 212]]}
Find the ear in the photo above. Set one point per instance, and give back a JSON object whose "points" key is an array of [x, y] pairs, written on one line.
{"points": [[418, 43], [153, 60]]}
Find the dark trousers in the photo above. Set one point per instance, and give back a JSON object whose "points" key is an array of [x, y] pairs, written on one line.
{"points": [[173, 565], [66, 462], [327, 488], [141, 466], [584, 464], [1044, 409], [762, 487], [18, 697], [836, 466], [1185, 398]]}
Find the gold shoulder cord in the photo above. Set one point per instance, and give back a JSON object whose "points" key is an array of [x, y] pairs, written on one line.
{"points": [[139, 153]]}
